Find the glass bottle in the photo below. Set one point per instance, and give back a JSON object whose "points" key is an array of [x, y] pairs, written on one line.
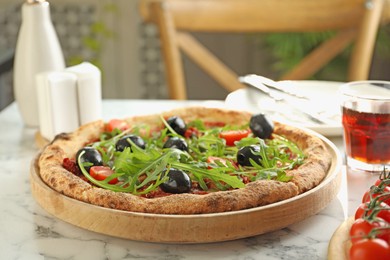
{"points": [[37, 50]]}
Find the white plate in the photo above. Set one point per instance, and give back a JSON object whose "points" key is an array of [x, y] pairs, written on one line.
{"points": [[322, 96]]}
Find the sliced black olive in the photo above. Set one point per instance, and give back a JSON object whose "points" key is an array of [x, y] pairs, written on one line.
{"points": [[178, 182], [176, 142], [90, 155], [261, 126], [177, 124], [248, 152], [122, 143]]}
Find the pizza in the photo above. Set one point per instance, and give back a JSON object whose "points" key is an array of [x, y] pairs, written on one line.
{"points": [[193, 160]]}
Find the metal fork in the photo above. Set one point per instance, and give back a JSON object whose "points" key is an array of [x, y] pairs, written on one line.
{"points": [[254, 79], [279, 97]]}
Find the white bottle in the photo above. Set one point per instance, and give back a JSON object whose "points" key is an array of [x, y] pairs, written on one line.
{"points": [[37, 50]]}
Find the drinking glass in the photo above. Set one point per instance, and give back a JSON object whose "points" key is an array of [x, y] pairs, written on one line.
{"points": [[365, 107]]}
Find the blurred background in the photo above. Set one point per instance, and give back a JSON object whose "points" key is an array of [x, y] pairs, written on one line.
{"points": [[111, 35]]}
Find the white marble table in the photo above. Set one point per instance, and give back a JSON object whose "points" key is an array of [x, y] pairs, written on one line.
{"points": [[29, 232]]}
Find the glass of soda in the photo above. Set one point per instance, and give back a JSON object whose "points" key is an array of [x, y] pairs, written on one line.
{"points": [[365, 109]]}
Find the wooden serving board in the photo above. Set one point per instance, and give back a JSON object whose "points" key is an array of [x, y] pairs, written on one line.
{"points": [[200, 228], [339, 244]]}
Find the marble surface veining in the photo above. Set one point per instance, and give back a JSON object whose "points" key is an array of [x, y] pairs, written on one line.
{"points": [[28, 232]]}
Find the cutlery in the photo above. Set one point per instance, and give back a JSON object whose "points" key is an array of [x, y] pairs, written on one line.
{"points": [[254, 79], [300, 104]]}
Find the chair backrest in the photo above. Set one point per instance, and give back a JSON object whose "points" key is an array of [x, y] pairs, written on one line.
{"points": [[354, 20]]}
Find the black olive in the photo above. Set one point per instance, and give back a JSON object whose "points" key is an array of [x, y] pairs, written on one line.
{"points": [[261, 126], [248, 152], [177, 124], [90, 155], [176, 142], [178, 182], [122, 143]]}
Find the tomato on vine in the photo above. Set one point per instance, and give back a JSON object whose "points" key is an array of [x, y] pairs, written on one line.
{"points": [[384, 179], [381, 193], [370, 248], [362, 227], [370, 232], [381, 210], [381, 182]]}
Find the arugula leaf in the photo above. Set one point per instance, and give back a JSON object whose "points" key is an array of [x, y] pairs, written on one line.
{"points": [[216, 174], [141, 171]]}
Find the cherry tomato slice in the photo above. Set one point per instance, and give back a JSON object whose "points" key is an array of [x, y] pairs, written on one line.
{"points": [[116, 124], [232, 136], [368, 249], [100, 173], [191, 132]]}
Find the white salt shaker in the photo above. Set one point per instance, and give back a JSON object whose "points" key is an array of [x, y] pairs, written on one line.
{"points": [[89, 91], [57, 103], [37, 50]]}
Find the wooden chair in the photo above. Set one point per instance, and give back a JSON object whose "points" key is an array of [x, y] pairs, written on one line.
{"points": [[356, 21]]}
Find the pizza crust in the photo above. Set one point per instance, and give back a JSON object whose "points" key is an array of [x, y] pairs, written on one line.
{"points": [[258, 193], [318, 161]]}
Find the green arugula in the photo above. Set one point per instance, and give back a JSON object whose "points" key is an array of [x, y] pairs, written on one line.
{"points": [[141, 171]]}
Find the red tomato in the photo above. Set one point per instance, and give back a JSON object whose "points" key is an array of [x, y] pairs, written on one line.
{"points": [[362, 227], [100, 173], [383, 211], [384, 195], [191, 132], [212, 159], [232, 136], [368, 249], [116, 124], [384, 233], [71, 165], [386, 182]]}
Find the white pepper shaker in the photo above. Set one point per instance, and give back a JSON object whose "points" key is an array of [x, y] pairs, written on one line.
{"points": [[37, 50]]}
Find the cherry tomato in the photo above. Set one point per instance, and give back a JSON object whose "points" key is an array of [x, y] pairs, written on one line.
{"points": [[232, 136], [385, 182], [100, 173], [383, 211], [374, 192], [384, 233], [191, 132], [116, 124], [368, 249], [362, 227]]}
